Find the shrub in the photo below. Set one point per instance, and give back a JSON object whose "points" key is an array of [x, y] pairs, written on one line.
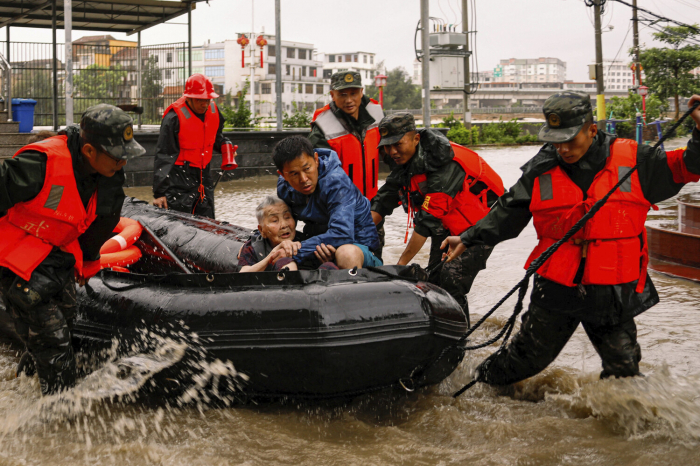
{"points": [[463, 136]]}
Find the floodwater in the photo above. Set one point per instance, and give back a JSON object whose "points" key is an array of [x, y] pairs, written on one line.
{"points": [[564, 415]]}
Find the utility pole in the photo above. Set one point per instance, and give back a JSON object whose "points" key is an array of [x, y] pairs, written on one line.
{"points": [[635, 36], [68, 29], [467, 71], [425, 44], [278, 65], [600, 86]]}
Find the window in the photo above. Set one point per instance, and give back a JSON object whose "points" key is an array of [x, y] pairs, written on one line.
{"points": [[214, 54], [312, 71], [348, 57], [156, 56], [327, 74], [303, 71], [168, 74], [301, 88], [287, 69], [319, 88], [271, 51], [266, 88], [290, 52], [302, 54], [331, 58], [169, 57], [309, 88], [271, 68], [371, 59], [257, 88], [354, 58], [340, 58], [213, 71], [364, 57]]}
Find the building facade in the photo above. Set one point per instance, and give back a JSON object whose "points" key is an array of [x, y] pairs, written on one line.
{"points": [[618, 76], [530, 70], [364, 63]]}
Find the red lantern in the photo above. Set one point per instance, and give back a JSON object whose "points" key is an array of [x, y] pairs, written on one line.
{"points": [[261, 42], [242, 41]]}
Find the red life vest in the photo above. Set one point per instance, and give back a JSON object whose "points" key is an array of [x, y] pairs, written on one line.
{"points": [[613, 242], [196, 137], [55, 217], [360, 159], [466, 208]]}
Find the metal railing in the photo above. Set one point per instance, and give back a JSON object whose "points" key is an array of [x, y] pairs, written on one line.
{"points": [[475, 111], [6, 85]]}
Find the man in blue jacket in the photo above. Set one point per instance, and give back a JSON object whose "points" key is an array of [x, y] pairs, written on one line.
{"points": [[336, 215]]}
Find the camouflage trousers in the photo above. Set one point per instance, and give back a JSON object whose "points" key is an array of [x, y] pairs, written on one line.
{"points": [[542, 336], [43, 309], [456, 277]]}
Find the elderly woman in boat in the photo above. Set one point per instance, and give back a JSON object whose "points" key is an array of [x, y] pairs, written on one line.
{"points": [[273, 248]]}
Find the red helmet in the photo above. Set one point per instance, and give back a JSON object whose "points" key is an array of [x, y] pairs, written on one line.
{"points": [[198, 86]]}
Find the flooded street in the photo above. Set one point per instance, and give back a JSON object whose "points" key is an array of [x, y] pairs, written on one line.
{"points": [[562, 416]]}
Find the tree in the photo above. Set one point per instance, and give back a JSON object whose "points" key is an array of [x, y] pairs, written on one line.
{"points": [[400, 93], [98, 83], [300, 118], [240, 117], [668, 69], [152, 91]]}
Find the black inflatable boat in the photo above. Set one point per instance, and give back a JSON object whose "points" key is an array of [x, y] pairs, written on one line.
{"points": [[308, 334]]}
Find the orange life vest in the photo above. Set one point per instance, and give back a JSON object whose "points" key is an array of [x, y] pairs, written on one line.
{"points": [[360, 159], [196, 137], [613, 242], [466, 208], [54, 218]]}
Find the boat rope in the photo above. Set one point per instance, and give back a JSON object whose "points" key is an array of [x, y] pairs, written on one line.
{"points": [[535, 265]]}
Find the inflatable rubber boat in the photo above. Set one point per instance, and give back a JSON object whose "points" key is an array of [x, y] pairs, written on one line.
{"points": [[305, 334]]}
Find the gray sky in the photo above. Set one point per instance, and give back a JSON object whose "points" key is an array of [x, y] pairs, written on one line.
{"points": [[505, 28]]}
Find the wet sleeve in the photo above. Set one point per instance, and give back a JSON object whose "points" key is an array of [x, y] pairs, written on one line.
{"points": [[317, 138], [167, 151], [507, 218], [21, 178], [446, 183], [340, 201], [387, 198], [96, 235]]}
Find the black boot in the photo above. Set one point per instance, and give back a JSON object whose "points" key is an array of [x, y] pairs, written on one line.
{"points": [[26, 365]]}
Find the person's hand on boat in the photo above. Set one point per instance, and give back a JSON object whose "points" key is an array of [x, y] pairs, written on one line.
{"points": [[696, 114], [286, 248], [325, 252], [456, 248], [161, 202]]}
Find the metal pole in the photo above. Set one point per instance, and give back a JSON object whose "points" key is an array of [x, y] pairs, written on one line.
{"points": [[467, 71], [425, 44], [189, 39], [55, 67], [7, 45], [635, 36], [68, 26], [252, 59], [278, 66], [138, 74], [8, 97], [600, 86]]}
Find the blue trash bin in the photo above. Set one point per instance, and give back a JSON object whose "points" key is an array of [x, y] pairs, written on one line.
{"points": [[23, 112]]}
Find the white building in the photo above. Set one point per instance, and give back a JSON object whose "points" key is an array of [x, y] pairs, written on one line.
{"points": [[618, 76], [302, 74], [364, 63], [530, 70]]}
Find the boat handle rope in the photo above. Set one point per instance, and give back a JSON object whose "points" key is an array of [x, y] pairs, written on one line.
{"points": [[537, 263], [210, 277]]}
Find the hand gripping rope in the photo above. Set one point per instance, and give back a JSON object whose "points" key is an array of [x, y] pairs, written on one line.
{"points": [[535, 265]]}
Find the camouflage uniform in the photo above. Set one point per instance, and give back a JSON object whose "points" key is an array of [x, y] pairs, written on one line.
{"points": [[606, 312], [43, 308], [433, 157]]}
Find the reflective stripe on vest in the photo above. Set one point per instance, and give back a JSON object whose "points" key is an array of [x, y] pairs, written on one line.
{"points": [[462, 212], [195, 137], [54, 218], [613, 242], [359, 160]]}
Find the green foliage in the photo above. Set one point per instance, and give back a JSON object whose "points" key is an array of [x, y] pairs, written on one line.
{"points": [[98, 81], [300, 118], [463, 136], [399, 92], [241, 116], [668, 69], [504, 132], [151, 91], [451, 121], [626, 108]]}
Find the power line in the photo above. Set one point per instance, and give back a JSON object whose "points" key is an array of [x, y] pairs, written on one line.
{"points": [[661, 18], [621, 45]]}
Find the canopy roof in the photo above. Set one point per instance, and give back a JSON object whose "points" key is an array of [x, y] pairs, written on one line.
{"points": [[129, 16]]}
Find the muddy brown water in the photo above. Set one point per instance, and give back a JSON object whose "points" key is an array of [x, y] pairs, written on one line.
{"points": [[565, 415]]}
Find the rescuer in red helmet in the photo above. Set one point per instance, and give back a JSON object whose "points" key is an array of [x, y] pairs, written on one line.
{"points": [[191, 130]]}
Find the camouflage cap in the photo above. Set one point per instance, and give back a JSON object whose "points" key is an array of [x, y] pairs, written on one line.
{"points": [[111, 129], [393, 127], [564, 114], [345, 79]]}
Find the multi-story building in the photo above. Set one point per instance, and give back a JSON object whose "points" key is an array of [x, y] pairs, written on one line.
{"points": [[530, 70], [97, 50], [618, 76], [364, 63]]}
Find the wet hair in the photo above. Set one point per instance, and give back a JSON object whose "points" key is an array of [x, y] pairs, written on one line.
{"points": [[289, 149], [266, 202], [40, 136]]}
